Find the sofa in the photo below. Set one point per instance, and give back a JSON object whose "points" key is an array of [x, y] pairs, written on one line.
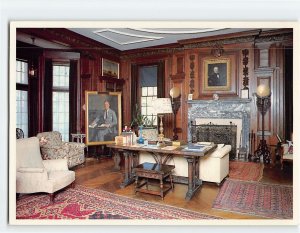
{"points": [[213, 167], [52, 147], [36, 175]]}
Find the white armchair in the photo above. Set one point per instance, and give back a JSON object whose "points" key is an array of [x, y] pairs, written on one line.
{"points": [[37, 175]]}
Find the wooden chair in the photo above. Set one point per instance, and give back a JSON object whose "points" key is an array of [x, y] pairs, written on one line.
{"points": [[286, 154]]}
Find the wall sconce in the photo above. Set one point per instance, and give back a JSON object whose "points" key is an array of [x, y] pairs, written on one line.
{"points": [[263, 103], [217, 50], [32, 70], [175, 102]]}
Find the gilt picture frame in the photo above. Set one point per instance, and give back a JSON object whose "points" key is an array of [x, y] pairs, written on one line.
{"points": [[217, 74], [110, 68], [101, 125], [225, 85]]}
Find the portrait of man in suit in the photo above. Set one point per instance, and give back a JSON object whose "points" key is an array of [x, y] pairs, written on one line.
{"points": [[105, 123], [103, 117], [217, 74]]}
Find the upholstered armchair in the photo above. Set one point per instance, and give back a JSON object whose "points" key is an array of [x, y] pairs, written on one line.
{"points": [[37, 175], [52, 147]]}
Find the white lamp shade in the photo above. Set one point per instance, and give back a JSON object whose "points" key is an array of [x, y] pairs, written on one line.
{"points": [[162, 105], [175, 92], [263, 90]]}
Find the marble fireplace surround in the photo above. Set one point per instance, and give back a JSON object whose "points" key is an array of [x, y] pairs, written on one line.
{"points": [[222, 111]]}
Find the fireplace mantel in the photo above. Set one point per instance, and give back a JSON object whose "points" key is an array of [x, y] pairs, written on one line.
{"points": [[236, 108]]}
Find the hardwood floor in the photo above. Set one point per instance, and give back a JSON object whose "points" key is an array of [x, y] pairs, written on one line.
{"points": [[99, 174]]}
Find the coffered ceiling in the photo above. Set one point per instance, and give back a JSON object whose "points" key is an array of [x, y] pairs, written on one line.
{"points": [[122, 38], [134, 38]]}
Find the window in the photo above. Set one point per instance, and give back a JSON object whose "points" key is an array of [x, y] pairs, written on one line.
{"points": [[148, 85], [61, 100], [22, 96]]}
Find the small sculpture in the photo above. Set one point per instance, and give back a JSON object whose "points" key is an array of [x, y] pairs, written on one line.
{"points": [[215, 96]]}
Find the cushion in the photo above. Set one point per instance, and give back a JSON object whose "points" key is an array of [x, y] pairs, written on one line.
{"points": [[28, 153]]}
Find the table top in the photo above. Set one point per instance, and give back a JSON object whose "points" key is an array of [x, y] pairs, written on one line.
{"points": [[165, 150]]}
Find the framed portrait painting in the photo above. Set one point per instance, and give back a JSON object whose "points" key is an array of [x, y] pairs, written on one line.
{"points": [[218, 75], [102, 117], [110, 68]]}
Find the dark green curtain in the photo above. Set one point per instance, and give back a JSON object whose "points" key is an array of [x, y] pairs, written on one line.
{"points": [[33, 91], [134, 87], [161, 79], [73, 96], [48, 86]]}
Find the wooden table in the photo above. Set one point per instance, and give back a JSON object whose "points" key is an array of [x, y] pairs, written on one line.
{"points": [[131, 157]]}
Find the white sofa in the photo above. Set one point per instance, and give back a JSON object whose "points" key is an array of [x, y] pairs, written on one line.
{"points": [[214, 167]]}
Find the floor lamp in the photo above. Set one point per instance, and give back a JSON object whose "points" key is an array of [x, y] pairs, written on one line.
{"points": [[263, 103], [175, 101]]}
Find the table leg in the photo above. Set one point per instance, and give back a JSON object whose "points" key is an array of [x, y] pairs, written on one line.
{"points": [[117, 160], [194, 183], [128, 178]]}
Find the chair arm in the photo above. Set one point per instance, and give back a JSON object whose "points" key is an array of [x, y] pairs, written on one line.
{"points": [[75, 144], [30, 170], [56, 165], [220, 152]]}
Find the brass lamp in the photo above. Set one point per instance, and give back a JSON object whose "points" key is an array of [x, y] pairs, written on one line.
{"points": [[162, 106]]}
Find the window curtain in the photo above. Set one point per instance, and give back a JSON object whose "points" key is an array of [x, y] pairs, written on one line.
{"points": [[33, 92], [134, 87], [48, 86], [73, 96], [161, 79]]}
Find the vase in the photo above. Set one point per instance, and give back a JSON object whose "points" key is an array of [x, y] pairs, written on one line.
{"points": [[141, 139]]}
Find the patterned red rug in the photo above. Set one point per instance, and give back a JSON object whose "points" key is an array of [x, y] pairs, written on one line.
{"points": [[253, 198], [85, 203], [249, 171]]}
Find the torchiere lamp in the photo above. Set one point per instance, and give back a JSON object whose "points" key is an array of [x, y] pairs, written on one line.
{"points": [[263, 103], [175, 101]]}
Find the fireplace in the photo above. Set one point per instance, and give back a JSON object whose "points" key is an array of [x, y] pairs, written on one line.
{"points": [[219, 134], [222, 112]]}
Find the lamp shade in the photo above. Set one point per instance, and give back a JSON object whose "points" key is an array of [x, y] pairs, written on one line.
{"points": [[162, 105], [175, 92], [263, 90]]}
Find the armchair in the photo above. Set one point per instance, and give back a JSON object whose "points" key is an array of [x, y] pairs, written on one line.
{"points": [[37, 175], [52, 147]]}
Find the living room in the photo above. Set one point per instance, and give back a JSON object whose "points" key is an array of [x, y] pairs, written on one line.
{"points": [[65, 74]]}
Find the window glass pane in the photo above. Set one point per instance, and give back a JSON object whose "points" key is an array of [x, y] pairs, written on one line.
{"points": [[22, 111], [61, 76], [22, 72], [150, 91], [144, 91], [61, 114], [154, 90]]}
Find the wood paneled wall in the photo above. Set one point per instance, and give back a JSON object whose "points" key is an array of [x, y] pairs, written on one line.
{"points": [[183, 69]]}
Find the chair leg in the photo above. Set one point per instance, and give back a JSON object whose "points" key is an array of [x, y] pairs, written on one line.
{"points": [[162, 188], [51, 195], [72, 185], [172, 184]]}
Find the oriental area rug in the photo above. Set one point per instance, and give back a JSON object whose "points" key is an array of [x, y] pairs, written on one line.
{"points": [[85, 203], [249, 171], [254, 198]]}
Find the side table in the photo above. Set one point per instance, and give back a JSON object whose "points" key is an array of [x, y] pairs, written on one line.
{"points": [[78, 137]]}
